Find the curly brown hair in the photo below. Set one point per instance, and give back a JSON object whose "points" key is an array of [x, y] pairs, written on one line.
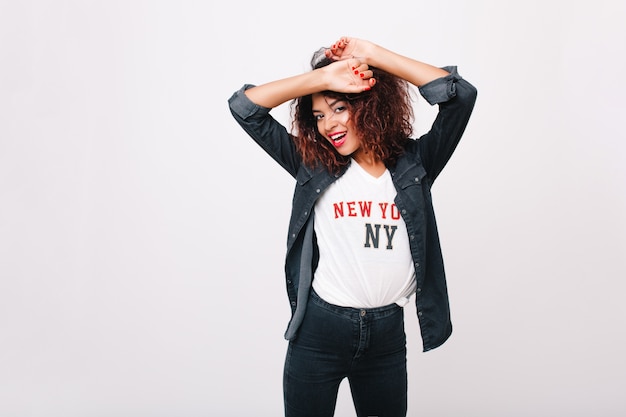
{"points": [[383, 116]]}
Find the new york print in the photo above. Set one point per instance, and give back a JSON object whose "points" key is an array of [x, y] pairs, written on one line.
{"points": [[383, 211]]}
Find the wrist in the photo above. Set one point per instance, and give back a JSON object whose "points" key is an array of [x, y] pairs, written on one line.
{"points": [[375, 55], [320, 79]]}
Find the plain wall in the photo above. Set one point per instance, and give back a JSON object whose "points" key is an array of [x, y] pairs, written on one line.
{"points": [[142, 233]]}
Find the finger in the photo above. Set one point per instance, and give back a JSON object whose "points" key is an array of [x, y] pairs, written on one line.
{"points": [[341, 42], [337, 49], [330, 51], [337, 46], [367, 74], [370, 83], [333, 54], [363, 71]]}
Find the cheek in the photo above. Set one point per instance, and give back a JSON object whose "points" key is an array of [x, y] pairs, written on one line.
{"points": [[351, 125], [352, 128], [346, 120]]}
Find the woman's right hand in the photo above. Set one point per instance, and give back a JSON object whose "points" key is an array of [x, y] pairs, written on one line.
{"points": [[346, 75], [349, 75]]}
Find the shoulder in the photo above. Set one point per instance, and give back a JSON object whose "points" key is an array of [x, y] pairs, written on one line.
{"points": [[411, 149]]}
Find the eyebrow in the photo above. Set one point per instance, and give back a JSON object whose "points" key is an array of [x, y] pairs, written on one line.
{"points": [[331, 104]]}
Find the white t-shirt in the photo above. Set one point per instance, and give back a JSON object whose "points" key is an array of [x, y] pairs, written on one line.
{"points": [[365, 260]]}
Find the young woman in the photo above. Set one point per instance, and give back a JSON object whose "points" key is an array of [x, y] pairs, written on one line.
{"points": [[362, 235]]}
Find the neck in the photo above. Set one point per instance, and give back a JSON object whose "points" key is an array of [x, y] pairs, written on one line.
{"points": [[370, 163]]}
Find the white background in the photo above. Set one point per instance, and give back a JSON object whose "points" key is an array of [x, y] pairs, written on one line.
{"points": [[142, 233]]}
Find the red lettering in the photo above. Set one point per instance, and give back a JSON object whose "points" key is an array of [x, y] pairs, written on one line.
{"points": [[395, 213], [338, 209], [366, 208], [383, 208], [351, 211]]}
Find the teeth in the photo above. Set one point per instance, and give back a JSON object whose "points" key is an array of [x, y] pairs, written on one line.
{"points": [[337, 137]]}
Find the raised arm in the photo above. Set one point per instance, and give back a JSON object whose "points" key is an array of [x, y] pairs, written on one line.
{"points": [[445, 87], [415, 72], [346, 76]]}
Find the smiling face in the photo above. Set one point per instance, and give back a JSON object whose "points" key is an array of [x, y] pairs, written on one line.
{"points": [[334, 124]]}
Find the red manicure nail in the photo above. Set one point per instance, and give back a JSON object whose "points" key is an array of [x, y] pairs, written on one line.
{"points": [[362, 75], [356, 71]]}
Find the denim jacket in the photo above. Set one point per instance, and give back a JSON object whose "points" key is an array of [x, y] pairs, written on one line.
{"points": [[412, 175]]}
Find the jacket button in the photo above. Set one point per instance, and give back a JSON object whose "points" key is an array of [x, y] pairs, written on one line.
{"points": [[417, 179], [418, 290], [318, 191], [293, 303], [417, 264]]}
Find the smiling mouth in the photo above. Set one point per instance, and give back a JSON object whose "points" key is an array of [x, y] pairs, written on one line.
{"points": [[338, 139]]}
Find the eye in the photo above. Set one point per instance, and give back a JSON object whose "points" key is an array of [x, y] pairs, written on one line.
{"points": [[340, 109], [318, 117]]}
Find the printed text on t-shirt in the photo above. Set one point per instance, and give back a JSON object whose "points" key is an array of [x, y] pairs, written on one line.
{"points": [[372, 231]]}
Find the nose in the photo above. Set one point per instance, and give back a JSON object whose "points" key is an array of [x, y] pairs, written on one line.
{"points": [[330, 123]]}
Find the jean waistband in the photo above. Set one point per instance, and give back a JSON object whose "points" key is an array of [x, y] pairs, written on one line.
{"points": [[351, 312]]}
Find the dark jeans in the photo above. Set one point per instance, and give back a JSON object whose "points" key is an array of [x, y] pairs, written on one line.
{"points": [[367, 346]]}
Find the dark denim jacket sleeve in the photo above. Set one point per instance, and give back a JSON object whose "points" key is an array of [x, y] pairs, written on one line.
{"points": [[264, 130], [456, 98]]}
